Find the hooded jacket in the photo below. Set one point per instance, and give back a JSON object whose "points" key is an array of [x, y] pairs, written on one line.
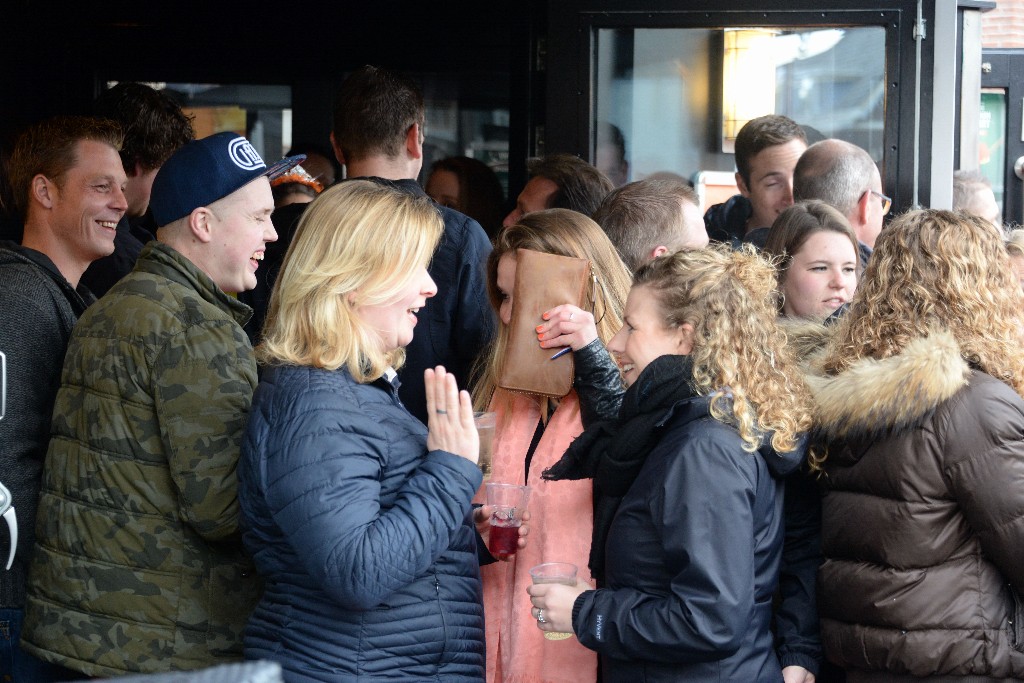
{"points": [[923, 518], [692, 559]]}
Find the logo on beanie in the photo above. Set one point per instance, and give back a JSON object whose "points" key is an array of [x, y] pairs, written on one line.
{"points": [[244, 155]]}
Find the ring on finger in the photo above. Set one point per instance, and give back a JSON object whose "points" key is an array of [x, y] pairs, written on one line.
{"points": [[571, 314], [540, 616], [440, 411]]}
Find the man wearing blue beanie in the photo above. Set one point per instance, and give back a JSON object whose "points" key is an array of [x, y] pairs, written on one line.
{"points": [[138, 565]]}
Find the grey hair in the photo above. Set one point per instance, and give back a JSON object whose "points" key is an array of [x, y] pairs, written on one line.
{"points": [[834, 171]]}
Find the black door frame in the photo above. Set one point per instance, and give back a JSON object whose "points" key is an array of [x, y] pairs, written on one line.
{"points": [[1004, 65], [570, 67]]}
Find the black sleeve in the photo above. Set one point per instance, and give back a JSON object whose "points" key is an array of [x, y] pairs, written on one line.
{"points": [[796, 618]]}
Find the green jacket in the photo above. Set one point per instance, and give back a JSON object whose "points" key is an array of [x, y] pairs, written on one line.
{"points": [[138, 564]]}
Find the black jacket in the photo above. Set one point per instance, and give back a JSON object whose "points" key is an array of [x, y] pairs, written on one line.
{"points": [[692, 560], [728, 223]]}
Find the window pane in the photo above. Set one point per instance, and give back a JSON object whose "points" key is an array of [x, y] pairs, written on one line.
{"points": [[664, 89]]}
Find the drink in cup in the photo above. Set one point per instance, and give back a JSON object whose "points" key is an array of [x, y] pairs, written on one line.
{"points": [[555, 572], [509, 502], [485, 428]]}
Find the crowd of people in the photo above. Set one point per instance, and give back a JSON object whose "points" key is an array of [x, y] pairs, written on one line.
{"points": [[241, 400]]}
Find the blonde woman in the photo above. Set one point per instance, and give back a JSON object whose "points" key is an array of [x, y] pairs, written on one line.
{"points": [[532, 433], [688, 520], [923, 519], [358, 516]]}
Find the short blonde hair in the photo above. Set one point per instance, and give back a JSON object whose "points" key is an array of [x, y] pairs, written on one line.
{"points": [[358, 244], [564, 233], [740, 356]]}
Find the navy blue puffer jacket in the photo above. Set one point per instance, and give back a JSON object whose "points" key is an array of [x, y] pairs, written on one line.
{"points": [[363, 537]]}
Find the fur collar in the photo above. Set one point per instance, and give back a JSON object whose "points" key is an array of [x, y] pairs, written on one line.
{"points": [[892, 394]]}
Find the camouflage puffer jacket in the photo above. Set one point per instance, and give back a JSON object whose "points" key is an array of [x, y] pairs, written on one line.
{"points": [[364, 537], [138, 564]]}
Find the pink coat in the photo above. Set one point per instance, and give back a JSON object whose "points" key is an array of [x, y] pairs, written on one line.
{"points": [[560, 531]]}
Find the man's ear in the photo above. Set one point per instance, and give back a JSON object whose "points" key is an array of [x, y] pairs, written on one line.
{"points": [[741, 185], [337, 150], [659, 250], [43, 190], [414, 141], [200, 224], [135, 170], [862, 209]]}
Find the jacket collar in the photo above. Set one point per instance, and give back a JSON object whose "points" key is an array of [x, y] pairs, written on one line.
{"points": [[79, 298], [162, 259], [874, 397]]}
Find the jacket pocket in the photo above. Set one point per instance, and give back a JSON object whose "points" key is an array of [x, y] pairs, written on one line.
{"points": [[1016, 625]]}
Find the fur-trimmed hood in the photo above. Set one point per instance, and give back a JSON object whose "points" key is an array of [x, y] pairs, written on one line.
{"points": [[889, 395]]}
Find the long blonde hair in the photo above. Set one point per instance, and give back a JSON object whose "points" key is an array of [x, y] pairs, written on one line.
{"points": [[934, 269], [358, 244], [564, 233], [739, 352]]}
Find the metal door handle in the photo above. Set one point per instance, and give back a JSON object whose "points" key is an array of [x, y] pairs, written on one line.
{"points": [[7, 512]]}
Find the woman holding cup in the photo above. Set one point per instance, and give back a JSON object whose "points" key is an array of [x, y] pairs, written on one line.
{"points": [[688, 513], [532, 433], [357, 516]]}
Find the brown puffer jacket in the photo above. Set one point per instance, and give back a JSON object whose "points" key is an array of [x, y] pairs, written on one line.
{"points": [[923, 519]]}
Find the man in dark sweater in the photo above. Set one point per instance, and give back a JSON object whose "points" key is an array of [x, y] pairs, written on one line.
{"points": [[69, 190], [378, 135], [767, 149], [154, 128]]}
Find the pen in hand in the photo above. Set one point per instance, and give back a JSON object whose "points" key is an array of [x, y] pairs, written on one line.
{"points": [[561, 353]]}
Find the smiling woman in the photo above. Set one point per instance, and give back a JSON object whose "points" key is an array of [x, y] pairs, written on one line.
{"points": [[356, 515]]}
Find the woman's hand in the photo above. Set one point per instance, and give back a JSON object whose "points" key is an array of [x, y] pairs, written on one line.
{"points": [[566, 325], [450, 425], [482, 518], [554, 602], [797, 674]]}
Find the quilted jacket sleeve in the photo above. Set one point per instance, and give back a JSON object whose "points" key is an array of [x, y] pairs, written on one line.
{"points": [[984, 449], [703, 513], [203, 379], [325, 479]]}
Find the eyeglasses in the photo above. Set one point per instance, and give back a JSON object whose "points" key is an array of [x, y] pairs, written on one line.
{"points": [[886, 201]]}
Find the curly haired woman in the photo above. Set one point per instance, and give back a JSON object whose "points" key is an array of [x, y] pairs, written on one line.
{"points": [[688, 514], [923, 520]]}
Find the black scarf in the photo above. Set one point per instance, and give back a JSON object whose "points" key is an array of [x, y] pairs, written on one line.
{"points": [[613, 451]]}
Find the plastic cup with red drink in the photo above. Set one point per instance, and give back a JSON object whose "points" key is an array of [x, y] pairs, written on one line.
{"points": [[509, 503]]}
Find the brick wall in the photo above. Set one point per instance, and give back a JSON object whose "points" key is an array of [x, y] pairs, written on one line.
{"points": [[1004, 25]]}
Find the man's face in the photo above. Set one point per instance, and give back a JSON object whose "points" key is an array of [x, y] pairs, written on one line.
{"points": [[89, 201], [241, 228], [139, 189], [535, 197], [983, 204], [770, 190]]}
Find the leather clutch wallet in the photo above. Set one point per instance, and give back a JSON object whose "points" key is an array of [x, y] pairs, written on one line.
{"points": [[543, 281]]}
